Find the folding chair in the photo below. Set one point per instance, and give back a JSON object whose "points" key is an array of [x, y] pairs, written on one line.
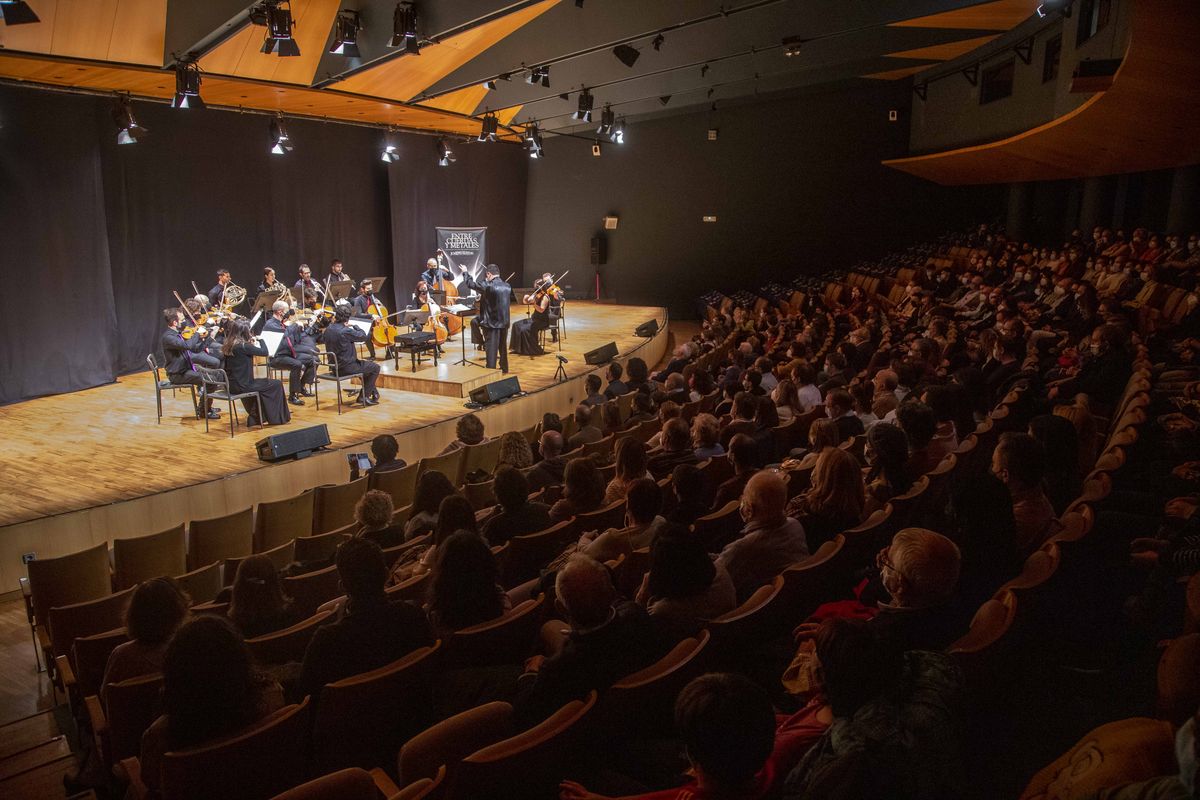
{"points": [[161, 386], [216, 385]]}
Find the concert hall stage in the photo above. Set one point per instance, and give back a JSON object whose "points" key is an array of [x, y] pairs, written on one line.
{"points": [[90, 466]]}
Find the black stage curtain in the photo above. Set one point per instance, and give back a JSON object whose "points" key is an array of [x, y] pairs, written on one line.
{"points": [[97, 235], [484, 187]]}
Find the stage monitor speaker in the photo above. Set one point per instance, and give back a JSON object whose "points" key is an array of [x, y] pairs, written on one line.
{"points": [[300, 444], [496, 391], [601, 355], [599, 249], [647, 329]]}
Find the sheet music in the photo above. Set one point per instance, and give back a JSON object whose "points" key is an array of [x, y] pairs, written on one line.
{"points": [[363, 325], [271, 339], [458, 308]]}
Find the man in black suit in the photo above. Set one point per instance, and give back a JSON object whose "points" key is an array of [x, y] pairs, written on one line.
{"points": [[301, 366], [493, 314], [361, 303], [180, 355], [339, 339], [839, 407], [217, 292]]}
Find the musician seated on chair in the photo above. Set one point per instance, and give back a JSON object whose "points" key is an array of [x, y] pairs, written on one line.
{"points": [[557, 299], [217, 292], [269, 283], [180, 355], [339, 339], [365, 299], [301, 365]]}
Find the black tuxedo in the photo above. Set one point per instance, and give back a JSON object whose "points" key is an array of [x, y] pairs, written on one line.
{"points": [[215, 294], [301, 366], [339, 339], [496, 297], [180, 354]]}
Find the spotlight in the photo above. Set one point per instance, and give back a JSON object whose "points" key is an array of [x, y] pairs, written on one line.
{"points": [[657, 42], [584, 111], [533, 141], [539, 75], [390, 154], [345, 34], [607, 119], [280, 142], [666, 98], [404, 28], [487, 130], [445, 154], [792, 44], [17, 12], [279, 24], [618, 132], [626, 55], [128, 131], [187, 84], [490, 85]]}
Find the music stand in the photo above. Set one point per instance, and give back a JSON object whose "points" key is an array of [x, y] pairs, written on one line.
{"points": [[376, 282], [262, 308], [464, 314], [340, 290]]}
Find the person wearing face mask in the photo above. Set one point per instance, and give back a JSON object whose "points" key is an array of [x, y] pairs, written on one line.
{"points": [[1103, 376], [770, 541], [1112, 281]]}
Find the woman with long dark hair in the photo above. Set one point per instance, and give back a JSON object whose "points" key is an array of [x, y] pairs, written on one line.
{"points": [[886, 452], [631, 465], [239, 350], [524, 337], [432, 488], [464, 586], [583, 490], [259, 605]]}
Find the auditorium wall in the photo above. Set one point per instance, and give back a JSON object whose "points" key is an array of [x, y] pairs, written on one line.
{"points": [[795, 184]]}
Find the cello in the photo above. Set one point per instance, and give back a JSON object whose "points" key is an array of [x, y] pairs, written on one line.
{"points": [[453, 323], [436, 324], [383, 332]]}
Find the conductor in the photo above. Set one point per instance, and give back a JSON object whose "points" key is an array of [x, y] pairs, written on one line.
{"points": [[493, 313]]}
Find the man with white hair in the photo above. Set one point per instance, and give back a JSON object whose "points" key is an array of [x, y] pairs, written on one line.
{"points": [[920, 570], [771, 540], [301, 365], [608, 638], [679, 359]]}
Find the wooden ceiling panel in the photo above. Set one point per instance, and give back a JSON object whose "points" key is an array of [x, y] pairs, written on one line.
{"points": [[999, 15], [944, 52], [506, 115], [240, 55], [464, 101], [896, 74], [405, 77], [128, 31], [138, 32], [32, 38]]}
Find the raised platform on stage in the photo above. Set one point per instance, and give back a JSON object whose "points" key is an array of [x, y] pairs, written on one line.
{"points": [[90, 466]]}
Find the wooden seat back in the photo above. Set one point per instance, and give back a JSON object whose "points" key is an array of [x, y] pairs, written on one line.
{"points": [[202, 584], [280, 556], [401, 484], [230, 536], [447, 743], [91, 658], [720, 527], [333, 506], [507, 640], [130, 707], [477, 458], [289, 644], [70, 622], [145, 557], [644, 702], [68, 579], [309, 591], [277, 522]]}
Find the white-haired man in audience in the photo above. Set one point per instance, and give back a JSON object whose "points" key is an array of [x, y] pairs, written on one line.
{"points": [[771, 540], [549, 471]]}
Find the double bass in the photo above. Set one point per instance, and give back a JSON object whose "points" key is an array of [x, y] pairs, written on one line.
{"points": [[453, 324]]}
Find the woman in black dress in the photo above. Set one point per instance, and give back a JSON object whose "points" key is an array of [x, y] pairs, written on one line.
{"points": [[240, 348], [524, 336]]}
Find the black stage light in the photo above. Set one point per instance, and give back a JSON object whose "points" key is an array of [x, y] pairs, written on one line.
{"points": [[488, 128], [490, 85], [533, 141], [657, 42], [618, 132], [390, 153], [666, 98], [281, 143], [17, 12], [404, 28], [607, 119], [345, 34], [187, 84], [1047, 7], [584, 111], [279, 24], [626, 55], [792, 45], [128, 131], [539, 75], [445, 153]]}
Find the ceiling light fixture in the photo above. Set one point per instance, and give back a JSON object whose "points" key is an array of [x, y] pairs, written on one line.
{"points": [[281, 143], [618, 132], [657, 42], [445, 153], [792, 45], [17, 12], [533, 141], [626, 55], [390, 153], [1047, 7], [279, 24], [404, 28], [128, 131], [539, 75], [607, 120], [584, 110], [187, 83], [488, 127], [345, 34], [666, 98]]}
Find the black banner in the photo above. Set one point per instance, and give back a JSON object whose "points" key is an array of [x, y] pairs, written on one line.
{"points": [[465, 249]]}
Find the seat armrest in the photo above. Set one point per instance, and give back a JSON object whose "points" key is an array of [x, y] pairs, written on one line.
{"points": [[386, 786], [65, 673], [96, 716], [130, 771]]}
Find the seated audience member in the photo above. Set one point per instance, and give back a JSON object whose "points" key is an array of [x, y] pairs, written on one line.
{"points": [[679, 359], [373, 630], [517, 516], [667, 411], [676, 449], [822, 435], [454, 514], [583, 490], [691, 499], [787, 400], [585, 431], [834, 501], [1020, 464], [706, 437], [745, 409], [468, 431], [743, 454], [676, 389], [156, 609], [609, 638], [864, 404], [719, 708], [895, 729], [1063, 482], [432, 488], [944, 405], [616, 386], [464, 587], [373, 513], [835, 374], [982, 524], [258, 605], [839, 407], [806, 387], [610, 418], [638, 375], [549, 471], [684, 586], [211, 689], [1006, 362], [1103, 376], [917, 421], [630, 465], [886, 452], [592, 387], [514, 451], [769, 543], [643, 502], [384, 447], [643, 409], [919, 570]]}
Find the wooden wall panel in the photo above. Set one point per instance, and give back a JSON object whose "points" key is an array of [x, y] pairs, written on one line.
{"points": [[239, 55], [128, 31]]}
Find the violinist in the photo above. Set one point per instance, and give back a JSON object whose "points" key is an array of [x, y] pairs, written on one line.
{"points": [[339, 338], [525, 331], [217, 292], [180, 357], [240, 348], [364, 301], [210, 356], [557, 298], [301, 366]]}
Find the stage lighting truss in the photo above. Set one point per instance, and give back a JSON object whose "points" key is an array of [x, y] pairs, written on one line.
{"points": [[128, 131], [187, 84], [278, 21], [345, 34], [533, 141], [584, 111], [404, 28], [281, 143], [488, 127], [445, 153]]}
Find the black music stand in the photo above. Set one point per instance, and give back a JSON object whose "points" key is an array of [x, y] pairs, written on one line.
{"points": [[340, 290], [464, 315]]}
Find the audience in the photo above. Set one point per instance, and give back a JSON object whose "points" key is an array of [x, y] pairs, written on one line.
{"points": [[743, 454], [706, 437], [258, 605], [583, 490], [676, 449], [549, 471], [917, 421], [787, 400], [642, 524], [823, 435], [468, 431], [690, 488], [834, 502], [1063, 479], [517, 515], [157, 607], [1020, 464], [432, 488], [745, 409], [684, 586], [464, 587], [373, 514], [384, 447], [840, 408], [616, 386], [770, 542], [630, 466], [886, 453], [592, 388], [514, 451], [585, 431]]}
